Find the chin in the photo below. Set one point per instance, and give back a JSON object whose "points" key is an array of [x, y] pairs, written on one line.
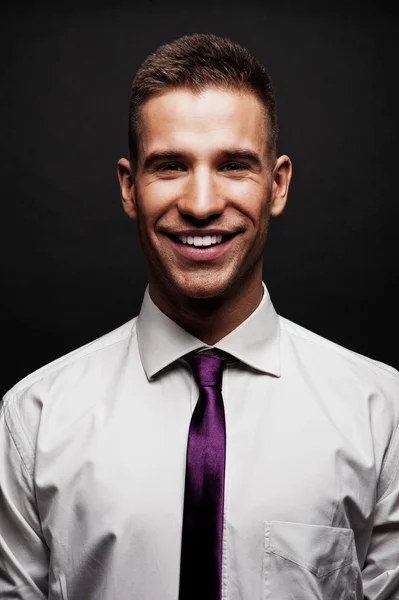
{"points": [[201, 293], [202, 289]]}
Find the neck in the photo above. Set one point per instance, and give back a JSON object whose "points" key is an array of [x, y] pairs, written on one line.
{"points": [[210, 319]]}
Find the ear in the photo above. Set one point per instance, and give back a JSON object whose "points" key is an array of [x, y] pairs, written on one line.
{"points": [[127, 188], [282, 173]]}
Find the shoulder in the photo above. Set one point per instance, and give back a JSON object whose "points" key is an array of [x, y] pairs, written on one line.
{"points": [[324, 351], [354, 384], [93, 353], [60, 393], [361, 392]]}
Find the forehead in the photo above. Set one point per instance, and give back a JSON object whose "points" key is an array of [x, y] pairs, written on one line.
{"points": [[201, 121]]}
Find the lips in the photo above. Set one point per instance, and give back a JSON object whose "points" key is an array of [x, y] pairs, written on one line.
{"points": [[225, 237], [201, 253]]}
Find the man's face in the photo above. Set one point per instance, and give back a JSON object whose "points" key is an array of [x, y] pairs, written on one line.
{"points": [[203, 171]]}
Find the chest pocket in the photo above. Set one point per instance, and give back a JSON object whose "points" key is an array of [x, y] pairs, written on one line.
{"points": [[308, 562]]}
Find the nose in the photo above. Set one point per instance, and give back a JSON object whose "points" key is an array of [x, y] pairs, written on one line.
{"points": [[201, 197]]}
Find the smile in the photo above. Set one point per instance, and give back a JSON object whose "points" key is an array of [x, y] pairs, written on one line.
{"points": [[206, 240], [201, 248], [201, 241]]}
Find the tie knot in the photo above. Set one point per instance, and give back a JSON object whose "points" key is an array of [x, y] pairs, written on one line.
{"points": [[207, 370]]}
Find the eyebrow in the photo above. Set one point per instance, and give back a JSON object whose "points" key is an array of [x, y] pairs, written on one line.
{"points": [[243, 154], [227, 154], [157, 156]]}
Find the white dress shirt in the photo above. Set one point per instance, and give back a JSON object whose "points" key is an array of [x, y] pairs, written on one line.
{"points": [[92, 466]]}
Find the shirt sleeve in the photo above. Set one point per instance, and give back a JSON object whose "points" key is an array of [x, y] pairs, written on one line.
{"points": [[23, 552], [381, 569]]}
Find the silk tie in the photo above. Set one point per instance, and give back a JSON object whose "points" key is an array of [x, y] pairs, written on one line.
{"points": [[201, 551]]}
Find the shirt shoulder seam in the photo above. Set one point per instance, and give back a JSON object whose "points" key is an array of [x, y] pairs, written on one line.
{"points": [[390, 457], [7, 407]]}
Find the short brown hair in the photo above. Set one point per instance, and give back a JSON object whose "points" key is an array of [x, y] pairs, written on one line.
{"points": [[196, 62]]}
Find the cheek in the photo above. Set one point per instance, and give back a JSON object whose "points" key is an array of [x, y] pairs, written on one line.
{"points": [[250, 198], [153, 201]]}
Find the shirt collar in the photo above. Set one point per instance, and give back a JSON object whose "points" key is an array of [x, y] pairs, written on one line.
{"points": [[254, 342]]}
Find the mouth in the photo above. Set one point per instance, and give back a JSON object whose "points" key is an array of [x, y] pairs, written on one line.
{"points": [[193, 252], [215, 240]]}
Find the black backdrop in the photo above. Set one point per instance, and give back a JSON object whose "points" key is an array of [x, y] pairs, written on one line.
{"points": [[72, 268]]}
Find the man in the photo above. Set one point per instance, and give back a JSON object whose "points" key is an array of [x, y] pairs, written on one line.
{"points": [[208, 448]]}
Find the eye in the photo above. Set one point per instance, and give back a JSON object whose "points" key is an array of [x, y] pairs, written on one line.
{"points": [[234, 166], [170, 167]]}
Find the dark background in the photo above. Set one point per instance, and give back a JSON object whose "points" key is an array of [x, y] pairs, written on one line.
{"points": [[72, 268]]}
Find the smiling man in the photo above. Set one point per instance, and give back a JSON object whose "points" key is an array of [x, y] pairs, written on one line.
{"points": [[208, 449]]}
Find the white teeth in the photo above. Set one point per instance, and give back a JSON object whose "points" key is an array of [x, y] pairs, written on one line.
{"points": [[206, 240]]}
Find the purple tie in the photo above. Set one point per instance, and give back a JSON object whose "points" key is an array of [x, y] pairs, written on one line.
{"points": [[201, 552]]}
